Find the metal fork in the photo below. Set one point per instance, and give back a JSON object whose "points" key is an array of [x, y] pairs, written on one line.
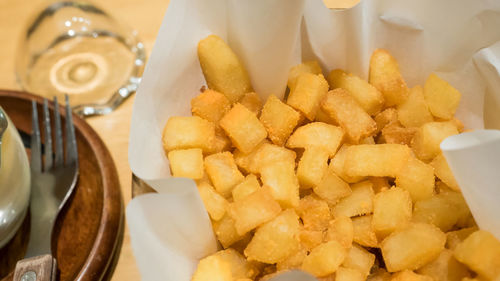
{"points": [[51, 186]]}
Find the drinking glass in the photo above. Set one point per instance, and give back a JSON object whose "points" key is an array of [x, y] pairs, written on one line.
{"points": [[76, 48]]}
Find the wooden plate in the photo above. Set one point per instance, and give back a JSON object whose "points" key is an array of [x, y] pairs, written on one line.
{"points": [[89, 231]]}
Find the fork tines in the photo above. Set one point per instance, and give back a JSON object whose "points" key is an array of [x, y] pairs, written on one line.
{"points": [[52, 160]]}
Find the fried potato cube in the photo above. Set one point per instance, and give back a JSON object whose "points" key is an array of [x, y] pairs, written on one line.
{"points": [[443, 172], [312, 166], [283, 183], [223, 172], [248, 186], [182, 132], [412, 247], [392, 210], [441, 97], [225, 231], [244, 160], [307, 93], [276, 239], [254, 210], [453, 238], [378, 160], [481, 253], [210, 105], [408, 275], [368, 97], [322, 116], [325, 259], [341, 230], [417, 178], [387, 117], [363, 231], [240, 267], [348, 274], [425, 143], [221, 142], [414, 112], [445, 268], [379, 274], [222, 69], [252, 102], [359, 259], [243, 128], [317, 134], [380, 184], [312, 67], [385, 76], [314, 212], [311, 238], [394, 133], [215, 204], [213, 268], [331, 188], [360, 201], [262, 155], [341, 106], [187, 163], [279, 119], [293, 261], [338, 165]]}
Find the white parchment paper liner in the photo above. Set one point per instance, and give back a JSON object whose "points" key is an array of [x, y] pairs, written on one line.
{"points": [[170, 231]]}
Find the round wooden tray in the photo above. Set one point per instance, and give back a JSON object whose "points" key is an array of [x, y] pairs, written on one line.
{"points": [[88, 232]]}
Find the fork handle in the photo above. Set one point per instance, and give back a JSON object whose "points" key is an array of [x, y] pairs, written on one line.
{"points": [[39, 268]]}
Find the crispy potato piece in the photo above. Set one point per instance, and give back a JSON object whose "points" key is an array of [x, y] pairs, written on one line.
{"points": [[380, 184], [425, 143], [221, 142], [387, 117], [252, 102], [213, 268], [338, 165], [186, 163], [243, 127], [312, 67], [312, 166], [283, 183], [322, 116], [443, 172], [225, 231], [276, 239], [360, 201], [223, 173], [314, 212], [379, 274], [391, 211], [270, 153], [317, 134], [359, 259], [385, 76], [341, 106], [307, 93], [311, 238], [363, 231], [245, 188], [341, 230], [240, 267], [445, 268], [368, 97], [244, 160], [325, 259], [395, 133], [222, 69], [417, 178], [348, 274], [210, 105], [215, 204], [380, 160], [412, 247], [481, 253], [293, 261], [331, 188], [441, 97], [414, 112], [254, 210], [408, 275], [453, 238], [279, 119], [182, 132]]}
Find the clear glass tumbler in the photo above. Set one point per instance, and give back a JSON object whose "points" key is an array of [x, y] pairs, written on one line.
{"points": [[75, 48]]}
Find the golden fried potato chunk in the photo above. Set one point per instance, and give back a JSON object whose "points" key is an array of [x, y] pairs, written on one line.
{"points": [[325, 259], [240, 267], [385, 76], [417, 178], [225, 231], [310, 238], [183, 132], [412, 247], [441, 97], [312, 67], [363, 231], [252, 102], [392, 210], [317, 134], [453, 238], [246, 187], [378, 160], [279, 119], [395, 133], [215, 204], [445, 268], [223, 172], [408, 275], [312, 166], [213, 268], [342, 107], [210, 105], [341, 230], [425, 143], [348, 274], [222, 69], [442, 210], [276, 239], [307, 93], [387, 117], [186, 163], [481, 253], [414, 112], [283, 183], [293, 261], [359, 259], [368, 97], [360, 201], [243, 128], [443, 172], [264, 154], [331, 187], [338, 165], [314, 212]]}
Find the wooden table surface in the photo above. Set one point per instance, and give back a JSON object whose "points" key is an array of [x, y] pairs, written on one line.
{"points": [[145, 16]]}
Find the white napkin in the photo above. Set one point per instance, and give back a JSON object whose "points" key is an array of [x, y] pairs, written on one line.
{"points": [[454, 38]]}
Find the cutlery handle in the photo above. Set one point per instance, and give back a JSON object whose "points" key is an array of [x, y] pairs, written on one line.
{"points": [[39, 268]]}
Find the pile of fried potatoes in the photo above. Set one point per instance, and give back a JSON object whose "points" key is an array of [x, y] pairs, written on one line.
{"points": [[343, 179]]}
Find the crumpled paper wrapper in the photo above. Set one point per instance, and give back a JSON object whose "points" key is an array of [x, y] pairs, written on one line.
{"points": [[458, 40]]}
